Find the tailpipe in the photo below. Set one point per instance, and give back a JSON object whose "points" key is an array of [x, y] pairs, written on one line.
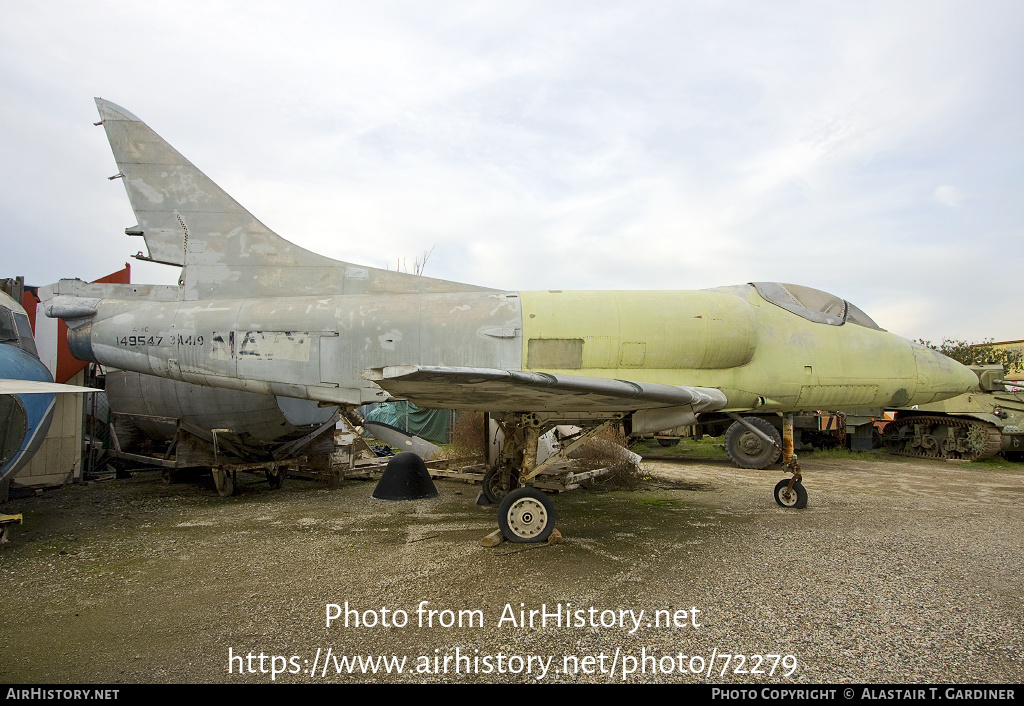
{"points": [[80, 343]]}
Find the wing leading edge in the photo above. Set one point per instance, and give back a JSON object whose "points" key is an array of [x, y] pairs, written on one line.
{"points": [[489, 390]]}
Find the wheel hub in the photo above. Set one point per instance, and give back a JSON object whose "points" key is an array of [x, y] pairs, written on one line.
{"points": [[499, 482], [527, 517], [750, 444]]}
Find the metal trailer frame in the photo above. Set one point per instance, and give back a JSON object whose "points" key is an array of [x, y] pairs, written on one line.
{"points": [[221, 451]]}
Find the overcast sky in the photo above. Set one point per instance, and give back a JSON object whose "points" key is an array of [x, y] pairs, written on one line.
{"points": [[871, 149]]}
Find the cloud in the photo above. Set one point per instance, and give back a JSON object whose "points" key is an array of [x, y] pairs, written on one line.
{"points": [[539, 145], [948, 195]]}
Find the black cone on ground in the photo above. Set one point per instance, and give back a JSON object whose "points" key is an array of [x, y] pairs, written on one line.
{"points": [[405, 478]]}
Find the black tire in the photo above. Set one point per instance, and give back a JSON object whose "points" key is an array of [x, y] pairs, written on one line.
{"points": [[276, 480], [797, 498], [492, 484], [668, 442], [526, 516], [747, 450]]}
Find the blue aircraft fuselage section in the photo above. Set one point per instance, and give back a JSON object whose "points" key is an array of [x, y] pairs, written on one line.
{"points": [[24, 419]]}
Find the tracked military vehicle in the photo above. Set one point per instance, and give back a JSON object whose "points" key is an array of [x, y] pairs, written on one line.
{"points": [[972, 426]]}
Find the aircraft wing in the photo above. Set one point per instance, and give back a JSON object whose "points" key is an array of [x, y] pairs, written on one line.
{"points": [[490, 390], [27, 387]]}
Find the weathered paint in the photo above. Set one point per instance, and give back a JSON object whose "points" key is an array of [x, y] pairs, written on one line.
{"points": [[772, 360], [731, 338], [186, 218], [253, 344]]}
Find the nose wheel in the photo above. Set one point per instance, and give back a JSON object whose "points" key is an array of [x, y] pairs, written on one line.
{"points": [[790, 492], [794, 497]]}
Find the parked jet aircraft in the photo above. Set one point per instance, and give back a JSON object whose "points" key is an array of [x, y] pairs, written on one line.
{"points": [[255, 312]]}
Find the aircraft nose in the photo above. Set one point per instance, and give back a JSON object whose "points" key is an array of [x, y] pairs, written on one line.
{"points": [[940, 377]]}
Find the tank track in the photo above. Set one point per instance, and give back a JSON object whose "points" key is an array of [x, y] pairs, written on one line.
{"points": [[971, 439]]}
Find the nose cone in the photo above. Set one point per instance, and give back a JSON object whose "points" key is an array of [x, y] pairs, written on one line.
{"points": [[939, 377]]}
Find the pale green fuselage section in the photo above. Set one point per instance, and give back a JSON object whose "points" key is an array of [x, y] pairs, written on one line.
{"points": [[758, 354]]}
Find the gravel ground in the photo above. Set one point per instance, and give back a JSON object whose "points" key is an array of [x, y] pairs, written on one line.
{"points": [[897, 571]]}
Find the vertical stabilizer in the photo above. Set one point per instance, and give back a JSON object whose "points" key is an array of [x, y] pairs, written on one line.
{"points": [[186, 219]]}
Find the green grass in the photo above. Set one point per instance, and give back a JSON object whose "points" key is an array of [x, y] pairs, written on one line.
{"points": [[998, 462], [877, 455], [657, 502], [708, 447], [882, 456]]}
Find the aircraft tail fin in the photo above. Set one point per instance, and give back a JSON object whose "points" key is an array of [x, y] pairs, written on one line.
{"points": [[187, 220], [169, 195]]}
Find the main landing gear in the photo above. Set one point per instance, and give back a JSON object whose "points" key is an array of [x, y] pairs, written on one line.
{"points": [[525, 513]]}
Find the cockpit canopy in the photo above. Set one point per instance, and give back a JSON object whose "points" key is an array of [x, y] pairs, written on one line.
{"points": [[814, 304], [15, 330]]}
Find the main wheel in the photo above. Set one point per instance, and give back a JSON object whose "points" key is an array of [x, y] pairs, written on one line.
{"points": [[526, 515], [747, 449], [795, 498], [493, 488]]}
